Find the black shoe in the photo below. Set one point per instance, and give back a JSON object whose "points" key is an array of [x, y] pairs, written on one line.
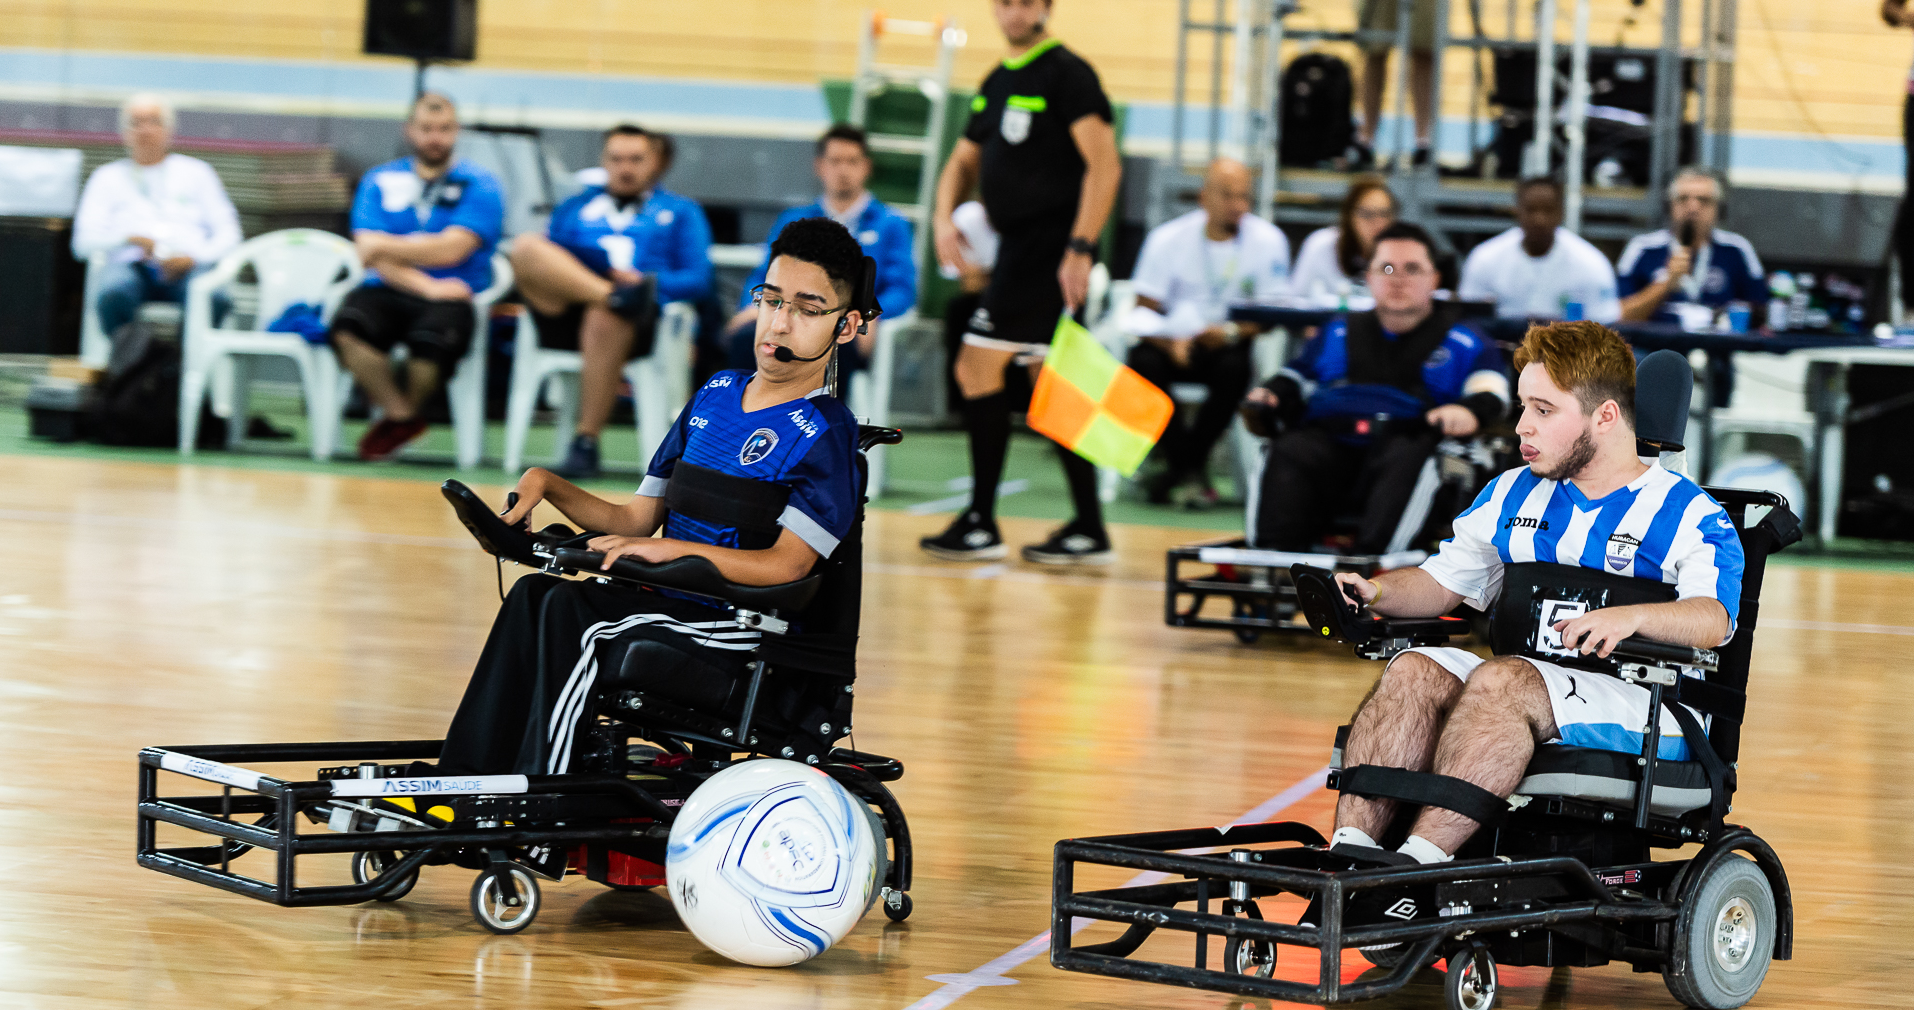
{"points": [[634, 302], [970, 538], [1072, 545], [1422, 157], [1370, 908], [581, 460]]}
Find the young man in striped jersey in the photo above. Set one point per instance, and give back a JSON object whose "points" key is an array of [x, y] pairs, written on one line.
{"points": [[1584, 499]]}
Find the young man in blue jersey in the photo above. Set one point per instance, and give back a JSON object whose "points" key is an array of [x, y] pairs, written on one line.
{"points": [[610, 256], [843, 166], [1365, 402], [1584, 499], [425, 227], [779, 426]]}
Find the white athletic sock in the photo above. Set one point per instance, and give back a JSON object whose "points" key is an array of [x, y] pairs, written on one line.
{"points": [[1423, 850], [1352, 836]]}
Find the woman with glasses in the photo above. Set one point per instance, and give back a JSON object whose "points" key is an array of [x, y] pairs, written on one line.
{"points": [[1333, 262]]}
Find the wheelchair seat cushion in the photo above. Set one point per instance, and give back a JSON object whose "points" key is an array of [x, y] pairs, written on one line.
{"points": [[1607, 776]]}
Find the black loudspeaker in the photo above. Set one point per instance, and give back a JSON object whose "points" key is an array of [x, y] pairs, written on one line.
{"points": [[422, 29], [40, 306]]}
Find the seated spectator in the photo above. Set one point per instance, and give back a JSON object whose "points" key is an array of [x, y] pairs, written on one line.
{"points": [[1334, 262], [161, 217], [1539, 269], [1691, 262], [1191, 271], [843, 164], [1367, 400], [425, 227], [611, 256]]}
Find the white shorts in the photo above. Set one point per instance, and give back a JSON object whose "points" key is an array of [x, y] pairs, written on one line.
{"points": [[1591, 709]]}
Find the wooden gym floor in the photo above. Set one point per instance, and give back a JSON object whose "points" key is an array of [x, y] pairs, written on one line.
{"points": [[160, 604]]}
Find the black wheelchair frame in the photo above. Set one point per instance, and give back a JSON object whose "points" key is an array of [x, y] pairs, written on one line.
{"points": [[615, 810], [1550, 881]]}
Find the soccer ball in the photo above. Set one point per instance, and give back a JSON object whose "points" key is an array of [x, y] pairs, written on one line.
{"points": [[771, 862], [1758, 471]]}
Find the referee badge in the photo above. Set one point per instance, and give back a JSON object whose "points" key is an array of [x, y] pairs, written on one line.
{"points": [[1016, 124], [758, 446], [1621, 552]]}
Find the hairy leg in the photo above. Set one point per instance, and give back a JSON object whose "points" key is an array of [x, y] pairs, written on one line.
{"points": [[604, 341], [1502, 714], [550, 278], [373, 371], [1396, 727]]}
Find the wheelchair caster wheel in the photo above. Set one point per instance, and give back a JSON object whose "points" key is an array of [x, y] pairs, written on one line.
{"points": [[1249, 957], [505, 898], [1471, 981], [896, 905], [367, 866]]}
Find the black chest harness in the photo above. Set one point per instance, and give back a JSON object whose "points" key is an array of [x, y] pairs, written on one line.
{"points": [[750, 506], [1375, 360]]}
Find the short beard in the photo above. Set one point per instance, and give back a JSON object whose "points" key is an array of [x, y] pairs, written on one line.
{"points": [[1578, 457]]}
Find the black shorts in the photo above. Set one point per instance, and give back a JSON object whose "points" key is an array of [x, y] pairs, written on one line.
{"points": [[1021, 306], [436, 331], [560, 332]]}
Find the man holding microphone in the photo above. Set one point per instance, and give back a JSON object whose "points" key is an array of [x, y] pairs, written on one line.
{"points": [[1691, 260], [1041, 146]]}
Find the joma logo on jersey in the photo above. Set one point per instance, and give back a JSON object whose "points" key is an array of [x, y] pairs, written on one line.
{"points": [[1535, 524], [758, 446], [804, 424]]}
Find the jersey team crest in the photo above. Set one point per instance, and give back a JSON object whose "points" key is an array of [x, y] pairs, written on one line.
{"points": [[758, 446], [1016, 124], [1621, 552]]}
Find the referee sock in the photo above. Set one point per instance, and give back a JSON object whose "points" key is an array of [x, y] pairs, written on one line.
{"points": [[1082, 475], [987, 420]]}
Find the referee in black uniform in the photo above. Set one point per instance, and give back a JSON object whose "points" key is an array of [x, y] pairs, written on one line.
{"points": [[1041, 146]]}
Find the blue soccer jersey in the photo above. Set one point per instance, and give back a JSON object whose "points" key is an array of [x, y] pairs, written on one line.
{"points": [[1465, 363], [808, 445], [1726, 270], [660, 234], [1661, 526], [392, 198]]}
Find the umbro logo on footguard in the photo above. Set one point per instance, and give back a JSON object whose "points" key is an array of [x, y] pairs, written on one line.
{"points": [[1404, 909]]}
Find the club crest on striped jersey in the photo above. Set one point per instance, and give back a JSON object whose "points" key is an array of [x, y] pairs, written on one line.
{"points": [[1621, 552], [758, 446]]}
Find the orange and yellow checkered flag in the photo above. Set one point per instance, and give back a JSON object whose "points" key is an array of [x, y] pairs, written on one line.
{"points": [[1094, 404]]}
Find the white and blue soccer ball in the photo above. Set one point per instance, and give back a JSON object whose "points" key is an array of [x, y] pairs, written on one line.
{"points": [[1758, 471], [771, 862]]}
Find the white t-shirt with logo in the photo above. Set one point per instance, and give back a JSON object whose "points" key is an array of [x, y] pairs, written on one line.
{"points": [[1197, 279], [1520, 285]]}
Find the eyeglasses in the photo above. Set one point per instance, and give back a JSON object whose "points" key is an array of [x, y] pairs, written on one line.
{"points": [[1367, 214], [799, 310], [1410, 270]]}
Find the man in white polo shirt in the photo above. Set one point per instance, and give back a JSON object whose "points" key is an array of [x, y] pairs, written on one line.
{"points": [[1539, 269], [1191, 271]]}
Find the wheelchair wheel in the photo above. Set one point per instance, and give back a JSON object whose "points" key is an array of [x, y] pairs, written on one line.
{"points": [[1244, 608], [1244, 955], [896, 905], [493, 909], [1727, 931], [1470, 984], [368, 865]]}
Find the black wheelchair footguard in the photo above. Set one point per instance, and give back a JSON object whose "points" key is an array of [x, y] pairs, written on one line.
{"points": [[1256, 583]]}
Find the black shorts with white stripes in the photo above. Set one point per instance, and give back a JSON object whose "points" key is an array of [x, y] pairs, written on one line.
{"points": [[556, 643]]}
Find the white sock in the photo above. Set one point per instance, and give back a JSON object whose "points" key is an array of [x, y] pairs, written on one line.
{"points": [[1352, 836], [1423, 850]]}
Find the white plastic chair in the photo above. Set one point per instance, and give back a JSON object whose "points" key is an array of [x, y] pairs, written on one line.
{"points": [[660, 383], [96, 345], [1770, 398], [465, 391], [298, 265]]}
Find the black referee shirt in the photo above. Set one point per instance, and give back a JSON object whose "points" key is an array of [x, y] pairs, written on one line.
{"points": [[1021, 118]]}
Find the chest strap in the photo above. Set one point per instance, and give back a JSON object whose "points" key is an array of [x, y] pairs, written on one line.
{"points": [[723, 499]]}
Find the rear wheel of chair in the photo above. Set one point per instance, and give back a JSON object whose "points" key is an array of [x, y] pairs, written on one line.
{"points": [[497, 911], [1726, 932], [366, 866], [1470, 984]]}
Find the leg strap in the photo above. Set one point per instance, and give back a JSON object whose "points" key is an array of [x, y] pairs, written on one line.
{"points": [[1425, 789]]}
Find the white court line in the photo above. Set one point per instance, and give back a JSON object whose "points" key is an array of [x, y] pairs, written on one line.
{"points": [[992, 973]]}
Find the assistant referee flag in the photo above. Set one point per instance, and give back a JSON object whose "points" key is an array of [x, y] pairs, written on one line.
{"points": [[1094, 405]]}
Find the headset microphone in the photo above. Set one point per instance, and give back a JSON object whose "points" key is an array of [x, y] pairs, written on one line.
{"points": [[785, 354]]}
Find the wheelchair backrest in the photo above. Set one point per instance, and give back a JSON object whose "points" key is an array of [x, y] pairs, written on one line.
{"points": [[1775, 531]]}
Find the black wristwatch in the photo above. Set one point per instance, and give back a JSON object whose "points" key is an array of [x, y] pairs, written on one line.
{"points": [[1084, 246]]}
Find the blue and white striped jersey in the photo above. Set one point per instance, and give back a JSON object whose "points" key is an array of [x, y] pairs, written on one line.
{"points": [[1661, 526], [808, 445]]}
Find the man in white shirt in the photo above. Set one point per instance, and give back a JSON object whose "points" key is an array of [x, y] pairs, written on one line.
{"points": [[159, 216], [1191, 271], [1539, 269]]}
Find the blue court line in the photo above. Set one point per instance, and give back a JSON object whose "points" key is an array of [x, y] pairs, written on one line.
{"points": [[992, 973]]}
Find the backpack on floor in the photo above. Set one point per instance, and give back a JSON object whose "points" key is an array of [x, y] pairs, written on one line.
{"points": [[138, 401], [1317, 90]]}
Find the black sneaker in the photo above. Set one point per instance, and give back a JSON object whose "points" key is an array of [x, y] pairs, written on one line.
{"points": [[581, 460], [1072, 545], [1370, 908], [970, 538], [634, 302]]}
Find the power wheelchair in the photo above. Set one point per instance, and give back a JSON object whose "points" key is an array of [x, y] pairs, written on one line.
{"points": [[611, 820]]}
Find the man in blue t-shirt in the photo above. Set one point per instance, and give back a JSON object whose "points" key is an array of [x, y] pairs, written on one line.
{"points": [[425, 226], [1691, 261], [843, 166], [777, 426], [1365, 402], [610, 256], [1584, 499]]}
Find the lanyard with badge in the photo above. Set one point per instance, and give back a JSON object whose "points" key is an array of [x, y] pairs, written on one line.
{"points": [[1219, 290]]}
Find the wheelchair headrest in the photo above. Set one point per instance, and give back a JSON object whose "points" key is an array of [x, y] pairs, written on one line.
{"points": [[1663, 386]]}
